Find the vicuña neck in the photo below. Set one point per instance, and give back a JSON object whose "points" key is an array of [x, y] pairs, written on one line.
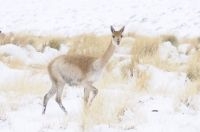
{"points": [[107, 55]]}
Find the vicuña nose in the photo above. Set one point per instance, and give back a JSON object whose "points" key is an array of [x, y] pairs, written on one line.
{"points": [[118, 41]]}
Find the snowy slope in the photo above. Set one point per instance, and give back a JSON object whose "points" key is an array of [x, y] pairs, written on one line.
{"points": [[158, 110], [82, 16]]}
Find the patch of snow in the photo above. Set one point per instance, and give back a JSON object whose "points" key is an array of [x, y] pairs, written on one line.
{"points": [[12, 50], [8, 74], [169, 52], [29, 55], [183, 48], [166, 82]]}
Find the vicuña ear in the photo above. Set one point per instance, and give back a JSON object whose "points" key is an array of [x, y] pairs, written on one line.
{"points": [[112, 29], [122, 29]]}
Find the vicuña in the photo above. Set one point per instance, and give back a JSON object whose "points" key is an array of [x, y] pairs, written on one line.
{"points": [[79, 70]]}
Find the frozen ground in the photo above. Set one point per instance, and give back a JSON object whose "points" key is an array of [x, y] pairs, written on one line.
{"points": [[79, 16], [158, 110]]}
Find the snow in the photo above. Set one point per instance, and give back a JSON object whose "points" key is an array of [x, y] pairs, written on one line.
{"points": [[183, 49], [80, 16], [173, 54], [164, 81], [29, 55], [159, 109]]}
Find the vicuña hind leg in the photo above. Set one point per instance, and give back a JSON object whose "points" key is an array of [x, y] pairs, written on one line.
{"points": [[59, 96], [87, 90], [51, 92]]}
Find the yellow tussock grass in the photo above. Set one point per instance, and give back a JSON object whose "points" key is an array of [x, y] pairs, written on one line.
{"points": [[193, 68], [25, 85], [171, 38], [107, 107], [39, 42]]}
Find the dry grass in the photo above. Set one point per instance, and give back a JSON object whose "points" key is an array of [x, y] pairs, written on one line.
{"points": [[144, 46], [190, 96], [108, 79], [128, 70], [142, 80], [161, 64], [194, 42], [11, 62], [37, 41], [192, 89], [25, 85], [141, 77], [107, 107], [145, 51], [55, 43], [193, 70], [171, 38]]}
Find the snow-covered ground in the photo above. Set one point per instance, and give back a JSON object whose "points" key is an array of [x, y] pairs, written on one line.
{"points": [[79, 16], [159, 109]]}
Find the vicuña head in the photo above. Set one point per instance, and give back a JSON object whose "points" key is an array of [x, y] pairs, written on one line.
{"points": [[79, 70], [117, 35]]}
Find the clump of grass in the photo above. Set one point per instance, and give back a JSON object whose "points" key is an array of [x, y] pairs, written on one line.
{"points": [[161, 64], [193, 70], [107, 109], [145, 46], [131, 70], [54, 43], [4, 39], [191, 90], [190, 96], [127, 70], [192, 41], [142, 79], [145, 51], [171, 38]]}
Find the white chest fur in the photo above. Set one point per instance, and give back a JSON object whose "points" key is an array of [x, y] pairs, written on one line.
{"points": [[95, 71]]}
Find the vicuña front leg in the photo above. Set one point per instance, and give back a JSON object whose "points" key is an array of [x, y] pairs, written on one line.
{"points": [[89, 90]]}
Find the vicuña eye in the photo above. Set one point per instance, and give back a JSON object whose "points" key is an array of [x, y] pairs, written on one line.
{"points": [[113, 36], [121, 36]]}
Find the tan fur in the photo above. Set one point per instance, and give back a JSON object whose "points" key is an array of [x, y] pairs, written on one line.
{"points": [[79, 70], [64, 62]]}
